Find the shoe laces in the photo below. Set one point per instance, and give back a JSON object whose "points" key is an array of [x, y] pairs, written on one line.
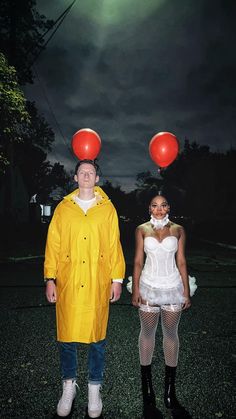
{"points": [[94, 394], [68, 390]]}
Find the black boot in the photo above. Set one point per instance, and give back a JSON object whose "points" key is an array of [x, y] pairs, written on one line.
{"points": [[150, 410], [170, 399]]}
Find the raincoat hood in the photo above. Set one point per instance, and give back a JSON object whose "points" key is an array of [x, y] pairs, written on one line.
{"points": [[100, 195]]}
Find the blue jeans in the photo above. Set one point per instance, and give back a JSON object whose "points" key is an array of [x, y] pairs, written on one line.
{"points": [[96, 360]]}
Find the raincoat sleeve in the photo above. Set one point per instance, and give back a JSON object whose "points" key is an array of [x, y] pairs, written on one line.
{"points": [[52, 247], [116, 252]]}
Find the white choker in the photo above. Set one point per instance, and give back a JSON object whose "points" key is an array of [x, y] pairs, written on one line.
{"points": [[159, 224]]}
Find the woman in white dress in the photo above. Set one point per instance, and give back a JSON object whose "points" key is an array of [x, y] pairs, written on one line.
{"points": [[160, 289]]}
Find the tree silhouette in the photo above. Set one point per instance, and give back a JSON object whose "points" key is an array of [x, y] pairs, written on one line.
{"points": [[21, 35], [22, 31], [14, 116]]}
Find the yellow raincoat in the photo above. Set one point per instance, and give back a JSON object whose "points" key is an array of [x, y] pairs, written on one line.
{"points": [[84, 254]]}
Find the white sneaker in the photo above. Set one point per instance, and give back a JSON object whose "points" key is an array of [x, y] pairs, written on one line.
{"points": [[94, 400], [66, 400]]}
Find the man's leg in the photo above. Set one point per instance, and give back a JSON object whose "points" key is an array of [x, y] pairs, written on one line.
{"points": [[96, 361], [68, 363], [68, 360]]}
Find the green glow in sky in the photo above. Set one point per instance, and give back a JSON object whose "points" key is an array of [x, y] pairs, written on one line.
{"points": [[118, 12]]}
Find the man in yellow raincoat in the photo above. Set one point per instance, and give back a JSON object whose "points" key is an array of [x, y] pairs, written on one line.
{"points": [[84, 268]]}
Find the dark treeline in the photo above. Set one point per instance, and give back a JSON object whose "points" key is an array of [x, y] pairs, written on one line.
{"points": [[200, 188], [25, 136]]}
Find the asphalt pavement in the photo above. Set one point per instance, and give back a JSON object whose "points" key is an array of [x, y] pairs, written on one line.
{"points": [[29, 363]]}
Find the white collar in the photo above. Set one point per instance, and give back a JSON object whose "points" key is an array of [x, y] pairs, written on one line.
{"points": [[159, 224]]}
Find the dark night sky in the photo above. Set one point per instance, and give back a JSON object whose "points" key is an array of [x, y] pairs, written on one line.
{"points": [[131, 68]]}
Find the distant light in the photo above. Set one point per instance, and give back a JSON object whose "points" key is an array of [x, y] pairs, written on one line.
{"points": [[45, 210]]}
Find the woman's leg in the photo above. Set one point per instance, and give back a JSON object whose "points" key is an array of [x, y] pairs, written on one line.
{"points": [[149, 317], [170, 317]]}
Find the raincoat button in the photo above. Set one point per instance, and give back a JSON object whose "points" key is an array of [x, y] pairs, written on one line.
{"points": [[85, 238], [83, 261], [82, 286]]}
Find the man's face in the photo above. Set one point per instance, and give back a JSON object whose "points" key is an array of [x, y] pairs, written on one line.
{"points": [[86, 176]]}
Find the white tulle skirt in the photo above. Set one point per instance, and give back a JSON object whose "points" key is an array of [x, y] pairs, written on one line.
{"points": [[163, 295]]}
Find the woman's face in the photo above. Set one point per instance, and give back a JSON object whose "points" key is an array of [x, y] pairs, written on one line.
{"points": [[159, 207]]}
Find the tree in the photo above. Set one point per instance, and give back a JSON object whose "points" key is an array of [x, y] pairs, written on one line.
{"points": [[117, 196], [203, 176], [21, 35], [147, 187], [199, 186], [206, 179], [14, 117], [31, 155], [25, 138], [25, 135], [55, 185]]}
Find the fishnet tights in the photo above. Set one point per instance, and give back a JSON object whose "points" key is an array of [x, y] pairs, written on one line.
{"points": [[170, 318]]}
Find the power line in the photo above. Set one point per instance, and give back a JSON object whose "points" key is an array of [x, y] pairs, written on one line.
{"points": [[51, 110], [57, 22]]}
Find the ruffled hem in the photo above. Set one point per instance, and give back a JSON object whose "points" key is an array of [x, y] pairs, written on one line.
{"points": [[164, 295]]}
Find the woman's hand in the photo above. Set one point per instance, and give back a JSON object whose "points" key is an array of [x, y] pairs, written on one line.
{"points": [[136, 298], [187, 303]]}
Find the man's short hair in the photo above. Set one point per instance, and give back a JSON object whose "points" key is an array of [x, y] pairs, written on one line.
{"points": [[92, 162]]}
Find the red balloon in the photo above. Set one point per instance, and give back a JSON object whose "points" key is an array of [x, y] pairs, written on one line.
{"points": [[86, 144], [164, 148]]}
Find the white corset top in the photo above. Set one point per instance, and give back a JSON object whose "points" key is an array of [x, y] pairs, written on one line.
{"points": [[160, 256]]}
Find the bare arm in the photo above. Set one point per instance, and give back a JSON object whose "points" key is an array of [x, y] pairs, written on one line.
{"points": [[182, 266], [138, 265]]}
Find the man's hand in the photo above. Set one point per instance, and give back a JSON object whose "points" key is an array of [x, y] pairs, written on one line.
{"points": [[116, 289], [51, 292]]}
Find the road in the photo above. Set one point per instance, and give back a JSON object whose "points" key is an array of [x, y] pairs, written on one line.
{"points": [[29, 364]]}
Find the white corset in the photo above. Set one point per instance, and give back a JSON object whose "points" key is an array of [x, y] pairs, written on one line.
{"points": [[160, 280], [160, 260]]}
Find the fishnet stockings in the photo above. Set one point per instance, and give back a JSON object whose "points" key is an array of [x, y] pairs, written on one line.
{"points": [[170, 322], [170, 317], [149, 321]]}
